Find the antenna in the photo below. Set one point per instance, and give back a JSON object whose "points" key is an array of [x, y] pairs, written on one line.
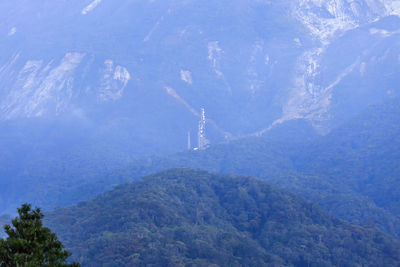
{"points": [[201, 135]]}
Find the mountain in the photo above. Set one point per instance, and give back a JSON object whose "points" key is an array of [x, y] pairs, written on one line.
{"points": [[137, 73], [184, 217], [87, 87], [364, 153], [352, 172]]}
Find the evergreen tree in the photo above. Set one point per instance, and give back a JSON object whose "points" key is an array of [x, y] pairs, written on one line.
{"points": [[29, 244]]}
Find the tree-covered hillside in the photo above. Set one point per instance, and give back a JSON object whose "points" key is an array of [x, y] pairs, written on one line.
{"points": [[193, 218], [353, 172], [364, 153]]}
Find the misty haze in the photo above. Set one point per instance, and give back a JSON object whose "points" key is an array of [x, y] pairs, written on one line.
{"points": [[199, 133]]}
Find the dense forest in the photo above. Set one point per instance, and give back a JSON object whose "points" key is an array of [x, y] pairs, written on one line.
{"points": [[182, 217]]}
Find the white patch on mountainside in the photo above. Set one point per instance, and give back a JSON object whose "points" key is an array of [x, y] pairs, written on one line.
{"points": [[12, 31], [186, 76], [90, 7], [215, 54], [304, 91], [153, 29], [113, 82], [267, 60], [326, 19], [255, 82], [175, 95], [311, 101], [392, 7], [383, 32], [7, 68], [41, 89], [363, 66]]}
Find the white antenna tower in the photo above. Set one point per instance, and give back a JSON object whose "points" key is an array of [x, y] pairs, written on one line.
{"points": [[202, 140]]}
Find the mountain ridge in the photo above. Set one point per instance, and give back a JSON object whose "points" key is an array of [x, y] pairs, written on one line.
{"points": [[177, 217]]}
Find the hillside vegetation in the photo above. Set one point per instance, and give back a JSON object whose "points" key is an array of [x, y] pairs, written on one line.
{"points": [[193, 218]]}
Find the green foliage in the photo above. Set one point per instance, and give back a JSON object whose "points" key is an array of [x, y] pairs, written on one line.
{"points": [[29, 244], [4, 219], [182, 217]]}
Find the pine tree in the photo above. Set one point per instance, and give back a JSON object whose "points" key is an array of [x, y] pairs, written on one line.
{"points": [[29, 244]]}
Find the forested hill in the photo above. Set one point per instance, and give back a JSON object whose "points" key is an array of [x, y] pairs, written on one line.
{"points": [[352, 172], [193, 218]]}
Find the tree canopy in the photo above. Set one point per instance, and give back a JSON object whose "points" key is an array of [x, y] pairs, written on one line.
{"points": [[29, 244], [184, 217]]}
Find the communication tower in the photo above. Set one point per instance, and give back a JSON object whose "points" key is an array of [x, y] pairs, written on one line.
{"points": [[201, 135]]}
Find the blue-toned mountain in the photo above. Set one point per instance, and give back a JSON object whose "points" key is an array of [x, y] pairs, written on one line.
{"points": [[141, 70], [87, 86]]}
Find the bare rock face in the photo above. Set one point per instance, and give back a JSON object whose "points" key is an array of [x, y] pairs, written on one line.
{"points": [[251, 65]]}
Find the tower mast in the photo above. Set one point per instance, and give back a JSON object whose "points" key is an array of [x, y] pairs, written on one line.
{"points": [[201, 135]]}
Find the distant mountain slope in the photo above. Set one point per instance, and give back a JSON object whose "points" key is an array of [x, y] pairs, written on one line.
{"points": [[174, 55], [88, 85], [184, 217], [353, 172], [141, 71], [364, 153]]}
